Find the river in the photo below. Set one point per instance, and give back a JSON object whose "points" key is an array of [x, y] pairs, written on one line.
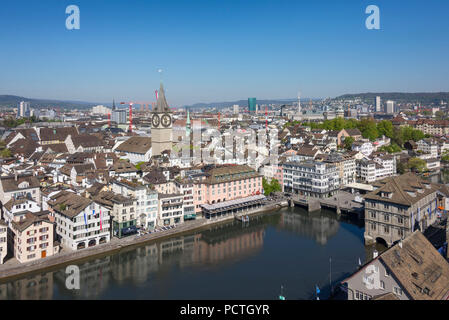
{"points": [[289, 248]]}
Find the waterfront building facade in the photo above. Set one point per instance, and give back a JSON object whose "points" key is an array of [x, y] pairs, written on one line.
{"points": [[171, 210], [311, 178], [80, 222], [400, 205], [122, 211], [31, 237], [146, 200]]}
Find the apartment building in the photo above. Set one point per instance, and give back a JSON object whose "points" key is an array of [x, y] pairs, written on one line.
{"points": [[146, 200], [400, 205], [346, 166], [186, 188], [311, 178], [19, 185], [429, 146], [171, 210], [31, 236], [122, 211], [80, 222], [365, 147]]}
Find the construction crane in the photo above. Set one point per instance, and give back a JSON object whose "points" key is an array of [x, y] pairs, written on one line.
{"points": [[145, 105], [130, 114]]}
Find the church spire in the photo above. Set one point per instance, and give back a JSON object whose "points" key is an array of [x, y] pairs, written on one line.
{"points": [[161, 105], [113, 104]]}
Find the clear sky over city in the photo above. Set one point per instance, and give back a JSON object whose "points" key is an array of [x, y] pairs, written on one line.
{"points": [[219, 50]]}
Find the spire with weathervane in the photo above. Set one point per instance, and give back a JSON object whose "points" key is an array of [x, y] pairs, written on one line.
{"points": [[161, 105]]}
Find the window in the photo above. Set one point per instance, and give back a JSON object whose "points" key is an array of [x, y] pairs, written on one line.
{"points": [[386, 217], [382, 285], [386, 229], [398, 291]]}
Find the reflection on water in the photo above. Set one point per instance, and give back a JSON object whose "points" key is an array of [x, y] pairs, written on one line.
{"points": [[441, 177], [213, 259]]}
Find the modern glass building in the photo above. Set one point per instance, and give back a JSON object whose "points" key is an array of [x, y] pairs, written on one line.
{"points": [[252, 104]]}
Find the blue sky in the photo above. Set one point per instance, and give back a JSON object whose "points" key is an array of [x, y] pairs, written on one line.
{"points": [[220, 50]]}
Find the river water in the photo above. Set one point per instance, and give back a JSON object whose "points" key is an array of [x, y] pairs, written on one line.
{"points": [[289, 248]]}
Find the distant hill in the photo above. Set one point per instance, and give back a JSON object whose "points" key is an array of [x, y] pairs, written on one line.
{"points": [[244, 103], [12, 101], [403, 97]]}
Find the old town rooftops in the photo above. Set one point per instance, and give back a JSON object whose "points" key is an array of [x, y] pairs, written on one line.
{"points": [[227, 173], [110, 198], [25, 181], [419, 267], [136, 144], [406, 189], [30, 219], [68, 203]]}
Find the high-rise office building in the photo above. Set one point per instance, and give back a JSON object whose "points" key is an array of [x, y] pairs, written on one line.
{"points": [[378, 106], [24, 109], [119, 116], [252, 105], [236, 108], [389, 107]]}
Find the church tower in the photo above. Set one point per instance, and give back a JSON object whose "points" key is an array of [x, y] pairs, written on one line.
{"points": [[161, 125]]}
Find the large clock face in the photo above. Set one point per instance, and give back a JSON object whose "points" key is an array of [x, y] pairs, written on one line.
{"points": [[166, 120], [155, 119]]}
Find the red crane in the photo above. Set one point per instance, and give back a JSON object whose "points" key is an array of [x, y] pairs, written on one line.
{"points": [[130, 114]]}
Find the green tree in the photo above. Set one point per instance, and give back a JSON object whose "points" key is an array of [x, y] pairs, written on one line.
{"points": [[348, 143], [385, 128], [417, 164], [270, 187], [401, 168], [440, 115], [368, 129]]}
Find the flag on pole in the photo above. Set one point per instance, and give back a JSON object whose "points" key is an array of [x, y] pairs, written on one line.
{"points": [[85, 219]]}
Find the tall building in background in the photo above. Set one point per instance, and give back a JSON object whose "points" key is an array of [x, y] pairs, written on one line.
{"points": [[252, 105], [389, 107], [23, 109], [236, 109], [119, 116], [378, 106]]}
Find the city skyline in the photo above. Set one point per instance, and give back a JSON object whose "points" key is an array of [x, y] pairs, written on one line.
{"points": [[224, 51]]}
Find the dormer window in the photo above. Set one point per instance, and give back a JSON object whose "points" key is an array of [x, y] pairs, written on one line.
{"points": [[386, 195], [23, 185]]}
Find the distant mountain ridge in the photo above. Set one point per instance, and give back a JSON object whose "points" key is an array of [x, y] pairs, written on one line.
{"points": [[404, 97], [12, 101], [244, 103]]}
